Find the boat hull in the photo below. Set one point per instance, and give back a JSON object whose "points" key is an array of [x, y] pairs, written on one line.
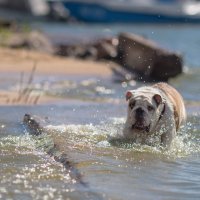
{"points": [[97, 13]]}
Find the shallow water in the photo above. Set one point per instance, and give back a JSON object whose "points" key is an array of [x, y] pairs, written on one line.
{"points": [[111, 172], [93, 108]]}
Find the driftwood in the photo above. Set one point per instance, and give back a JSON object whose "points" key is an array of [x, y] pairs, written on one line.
{"points": [[144, 57], [36, 126]]}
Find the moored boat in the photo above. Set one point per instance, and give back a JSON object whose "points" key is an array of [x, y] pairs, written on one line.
{"points": [[133, 11]]}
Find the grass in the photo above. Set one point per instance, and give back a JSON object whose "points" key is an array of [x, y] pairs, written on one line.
{"points": [[25, 92]]}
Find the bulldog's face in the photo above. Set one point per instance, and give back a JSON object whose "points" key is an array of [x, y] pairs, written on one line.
{"points": [[144, 110]]}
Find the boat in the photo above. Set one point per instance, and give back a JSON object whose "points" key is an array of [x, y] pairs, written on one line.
{"points": [[134, 11]]}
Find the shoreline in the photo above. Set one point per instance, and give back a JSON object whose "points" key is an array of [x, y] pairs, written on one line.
{"points": [[22, 61]]}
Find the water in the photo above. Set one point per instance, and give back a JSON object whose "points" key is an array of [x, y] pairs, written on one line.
{"points": [[94, 108]]}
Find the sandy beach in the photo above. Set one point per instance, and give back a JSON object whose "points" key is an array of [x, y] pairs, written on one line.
{"points": [[20, 60]]}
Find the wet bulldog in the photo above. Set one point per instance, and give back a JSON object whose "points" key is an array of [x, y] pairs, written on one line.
{"points": [[154, 114]]}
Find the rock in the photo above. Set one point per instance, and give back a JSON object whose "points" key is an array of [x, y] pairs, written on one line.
{"points": [[77, 51], [145, 58], [167, 65], [95, 50], [62, 50]]}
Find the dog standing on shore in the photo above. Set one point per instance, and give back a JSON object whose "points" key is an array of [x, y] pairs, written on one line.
{"points": [[154, 113]]}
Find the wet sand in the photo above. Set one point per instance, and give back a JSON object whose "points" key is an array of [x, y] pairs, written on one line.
{"points": [[19, 60]]}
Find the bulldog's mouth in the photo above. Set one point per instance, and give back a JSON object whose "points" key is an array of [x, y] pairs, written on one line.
{"points": [[141, 127]]}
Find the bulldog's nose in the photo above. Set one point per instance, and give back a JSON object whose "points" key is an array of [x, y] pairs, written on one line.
{"points": [[139, 112]]}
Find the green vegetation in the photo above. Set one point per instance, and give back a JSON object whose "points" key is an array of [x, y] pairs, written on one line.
{"points": [[10, 31]]}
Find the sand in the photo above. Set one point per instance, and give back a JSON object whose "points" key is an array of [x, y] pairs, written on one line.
{"points": [[22, 60], [19, 60]]}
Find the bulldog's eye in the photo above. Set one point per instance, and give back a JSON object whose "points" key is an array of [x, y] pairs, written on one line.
{"points": [[150, 108], [131, 105]]}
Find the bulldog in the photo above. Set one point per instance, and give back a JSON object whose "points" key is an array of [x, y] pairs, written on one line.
{"points": [[155, 114]]}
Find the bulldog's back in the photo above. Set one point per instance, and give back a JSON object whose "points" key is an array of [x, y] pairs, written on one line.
{"points": [[176, 100]]}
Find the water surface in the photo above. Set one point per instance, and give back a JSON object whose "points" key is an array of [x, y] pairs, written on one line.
{"points": [[93, 108]]}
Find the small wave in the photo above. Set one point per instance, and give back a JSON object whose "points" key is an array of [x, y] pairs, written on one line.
{"points": [[96, 136]]}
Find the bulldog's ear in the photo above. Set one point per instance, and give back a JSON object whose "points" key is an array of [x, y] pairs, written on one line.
{"points": [[158, 99], [129, 94]]}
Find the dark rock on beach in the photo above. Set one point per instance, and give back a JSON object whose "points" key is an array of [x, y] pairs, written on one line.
{"points": [[145, 58], [141, 57], [77, 51], [103, 49]]}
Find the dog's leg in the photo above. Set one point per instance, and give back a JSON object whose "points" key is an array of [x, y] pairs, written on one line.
{"points": [[167, 137]]}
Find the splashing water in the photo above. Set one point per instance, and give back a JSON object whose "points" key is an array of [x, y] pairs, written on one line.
{"points": [[95, 136]]}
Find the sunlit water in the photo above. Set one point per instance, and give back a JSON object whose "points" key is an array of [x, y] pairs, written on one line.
{"points": [[93, 108]]}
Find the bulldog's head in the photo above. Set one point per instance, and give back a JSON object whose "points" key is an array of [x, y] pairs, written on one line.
{"points": [[144, 110]]}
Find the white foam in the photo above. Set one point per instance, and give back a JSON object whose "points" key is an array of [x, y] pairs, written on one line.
{"points": [[97, 136]]}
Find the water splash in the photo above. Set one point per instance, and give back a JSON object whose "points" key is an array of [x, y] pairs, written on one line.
{"points": [[186, 142], [17, 141], [96, 136]]}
